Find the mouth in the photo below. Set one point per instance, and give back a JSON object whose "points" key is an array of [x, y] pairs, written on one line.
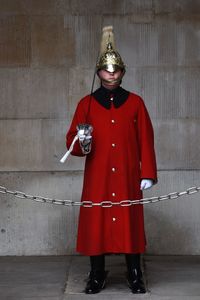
{"points": [[112, 80]]}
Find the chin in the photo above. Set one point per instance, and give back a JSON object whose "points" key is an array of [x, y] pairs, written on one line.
{"points": [[110, 85]]}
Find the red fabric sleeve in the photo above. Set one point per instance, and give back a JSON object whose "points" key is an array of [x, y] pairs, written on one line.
{"points": [[78, 118], [146, 142]]}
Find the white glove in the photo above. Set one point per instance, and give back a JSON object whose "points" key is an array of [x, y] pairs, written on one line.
{"points": [[146, 184], [85, 141]]}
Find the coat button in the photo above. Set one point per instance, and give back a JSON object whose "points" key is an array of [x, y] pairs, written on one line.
{"points": [[113, 194], [113, 145], [114, 219], [113, 121], [113, 169]]}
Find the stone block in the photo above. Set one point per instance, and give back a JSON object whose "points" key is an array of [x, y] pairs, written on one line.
{"points": [[34, 93], [170, 93], [35, 7], [80, 81], [188, 42], [10, 6], [179, 7], [33, 277], [75, 7], [172, 226], [161, 43], [15, 41], [173, 277], [33, 228], [117, 7], [87, 32], [147, 44], [52, 44], [36, 145], [176, 144]]}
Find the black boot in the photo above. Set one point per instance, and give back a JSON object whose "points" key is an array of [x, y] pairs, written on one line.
{"points": [[97, 276], [134, 276]]}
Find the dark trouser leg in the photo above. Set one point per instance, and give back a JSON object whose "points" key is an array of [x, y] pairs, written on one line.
{"points": [[132, 261], [97, 277], [97, 263], [134, 277]]}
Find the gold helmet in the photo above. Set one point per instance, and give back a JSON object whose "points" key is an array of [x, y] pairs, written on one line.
{"points": [[109, 59]]}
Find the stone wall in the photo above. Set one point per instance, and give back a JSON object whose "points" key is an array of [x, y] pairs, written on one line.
{"points": [[48, 51]]}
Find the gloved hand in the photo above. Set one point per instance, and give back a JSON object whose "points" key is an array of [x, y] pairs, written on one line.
{"points": [[84, 138], [146, 184]]}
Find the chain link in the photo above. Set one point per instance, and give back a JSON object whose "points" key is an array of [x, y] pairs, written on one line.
{"points": [[105, 204]]}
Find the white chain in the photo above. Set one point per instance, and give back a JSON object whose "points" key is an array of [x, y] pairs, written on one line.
{"points": [[106, 204]]}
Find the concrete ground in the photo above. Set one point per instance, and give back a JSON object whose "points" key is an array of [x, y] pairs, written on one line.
{"points": [[62, 278]]}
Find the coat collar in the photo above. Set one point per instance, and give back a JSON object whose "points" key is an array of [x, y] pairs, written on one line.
{"points": [[103, 95]]}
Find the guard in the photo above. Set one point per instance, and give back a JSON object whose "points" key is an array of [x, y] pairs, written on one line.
{"points": [[120, 162]]}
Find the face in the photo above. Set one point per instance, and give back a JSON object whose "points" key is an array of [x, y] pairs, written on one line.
{"points": [[110, 80]]}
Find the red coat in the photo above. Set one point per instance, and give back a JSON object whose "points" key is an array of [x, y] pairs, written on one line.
{"points": [[122, 154]]}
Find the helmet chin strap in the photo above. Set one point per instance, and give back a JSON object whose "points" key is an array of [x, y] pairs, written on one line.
{"points": [[112, 80]]}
